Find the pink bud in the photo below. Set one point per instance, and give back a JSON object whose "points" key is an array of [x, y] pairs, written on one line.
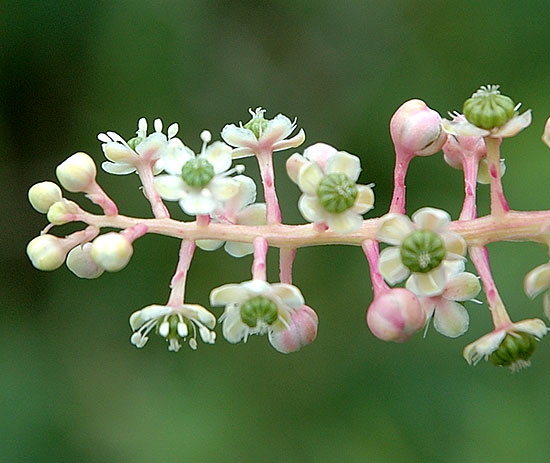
{"points": [[301, 331], [416, 129], [395, 315]]}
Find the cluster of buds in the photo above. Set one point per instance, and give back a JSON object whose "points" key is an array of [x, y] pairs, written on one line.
{"points": [[417, 264]]}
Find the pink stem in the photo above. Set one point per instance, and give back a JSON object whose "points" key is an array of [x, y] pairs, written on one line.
{"points": [[286, 259], [259, 271], [370, 248], [402, 161], [499, 205], [145, 172], [469, 210], [96, 195], [265, 162], [177, 285], [203, 220], [135, 232]]}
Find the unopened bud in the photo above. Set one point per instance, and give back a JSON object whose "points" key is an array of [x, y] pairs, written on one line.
{"points": [[62, 212], [111, 251], [46, 252], [416, 129], [43, 195], [395, 315], [80, 262], [301, 331], [77, 172]]}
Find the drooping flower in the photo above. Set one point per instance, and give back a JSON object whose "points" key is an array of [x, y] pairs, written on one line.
{"points": [[200, 183], [255, 307], [260, 134], [511, 345], [175, 324], [536, 282], [330, 195], [419, 249], [301, 331], [450, 317], [123, 157]]}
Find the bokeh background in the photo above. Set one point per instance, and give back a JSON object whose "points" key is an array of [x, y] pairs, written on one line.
{"points": [[72, 387]]}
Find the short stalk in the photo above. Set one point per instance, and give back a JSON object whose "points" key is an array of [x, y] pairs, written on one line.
{"points": [[259, 269], [265, 162], [499, 205], [402, 161], [145, 172], [177, 285]]}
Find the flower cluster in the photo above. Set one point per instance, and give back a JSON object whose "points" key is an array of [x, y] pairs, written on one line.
{"points": [[417, 265]]}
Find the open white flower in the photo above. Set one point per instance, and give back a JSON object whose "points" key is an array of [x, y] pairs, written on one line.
{"points": [[176, 324], [536, 282], [123, 156], [450, 317], [255, 307], [200, 183], [330, 195], [419, 249], [510, 346], [259, 135]]}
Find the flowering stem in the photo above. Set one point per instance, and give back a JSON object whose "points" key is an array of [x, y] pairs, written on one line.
{"points": [[265, 162], [96, 194], [499, 205], [371, 250], [177, 285], [286, 259], [402, 161], [145, 172], [480, 259], [470, 166], [259, 271], [79, 237]]}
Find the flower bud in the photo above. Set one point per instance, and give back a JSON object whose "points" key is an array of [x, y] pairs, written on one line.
{"points": [[395, 315], [80, 262], [77, 172], [46, 252], [416, 129], [514, 351], [488, 109], [301, 331], [62, 212], [111, 251], [42, 195]]}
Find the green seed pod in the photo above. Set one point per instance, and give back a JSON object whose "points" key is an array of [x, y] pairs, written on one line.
{"points": [[259, 309], [422, 251], [337, 193], [488, 109], [197, 172], [515, 347]]}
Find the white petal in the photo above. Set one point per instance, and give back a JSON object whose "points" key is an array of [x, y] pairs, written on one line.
{"points": [[198, 313], [432, 219], [293, 166], [257, 287], [236, 249], [483, 347], [309, 178], [462, 287], [365, 199], [451, 319], [514, 125], [254, 214], [345, 222], [228, 294], [150, 147], [170, 187], [219, 155], [344, 163], [431, 283], [483, 175], [151, 312], [277, 129], [537, 280], [117, 152], [174, 155], [223, 188], [462, 127], [454, 244], [117, 168], [209, 245], [534, 326], [238, 136], [394, 228], [194, 202], [310, 208], [234, 330], [289, 294], [391, 267], [293, 142]]}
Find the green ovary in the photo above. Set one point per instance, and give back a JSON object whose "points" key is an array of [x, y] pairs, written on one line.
{"points": [[197, 172], [337, 193], [259, 309], [422, 251]]}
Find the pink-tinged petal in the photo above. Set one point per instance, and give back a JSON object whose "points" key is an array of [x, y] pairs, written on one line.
{"points": [[239, 137], [454, 244], [293, 165], [432, 219], [219, 155], [302, 330], [236, 249], [462, 287], [320, 153], [310, 208], [276, 129], [150, 147], [117, 168], [223, 188], [245, 195], [194, 203], [344, 163], [428, 284], [428, 305], [394, 228], [345, 222], [293, 142], [537, 280], [309, 178], [289, 294], [513, 126], [255, 214], [364, 201], [451, 319], [391, 267], [231, 293], [170, 187], [209, 245]]}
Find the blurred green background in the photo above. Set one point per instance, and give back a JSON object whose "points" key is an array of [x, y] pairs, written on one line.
{"points": [[72, 387]]}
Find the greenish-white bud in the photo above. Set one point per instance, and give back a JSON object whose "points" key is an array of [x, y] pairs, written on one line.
{"points": [[46, 252], [43, 195], [77, 172], [111, 251], [62, 212], [80, 262], [259, 309], [422, 251]]}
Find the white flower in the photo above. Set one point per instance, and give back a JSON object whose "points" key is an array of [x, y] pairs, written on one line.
{"points": [[175, 324], [538, 281], [460, 126], [451, 318], [420, 247], [123, 156], [260, 135], [524, 333], [255, 307], [330, 195], [241, 210], [200, 183]]}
